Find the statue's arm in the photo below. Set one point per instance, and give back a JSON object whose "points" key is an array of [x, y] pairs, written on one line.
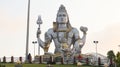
{"points": [[79, 42], [45, 45], [48, 40], [77, 39], [40, 42], [84, 30]]}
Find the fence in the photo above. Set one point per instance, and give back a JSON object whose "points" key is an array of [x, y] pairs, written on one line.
{"points": [[12, 59]]}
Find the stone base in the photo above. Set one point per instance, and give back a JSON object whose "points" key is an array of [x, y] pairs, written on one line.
{"points": [[49, 58]]}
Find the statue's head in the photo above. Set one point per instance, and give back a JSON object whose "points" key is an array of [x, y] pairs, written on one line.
{"points": [[62, 16]]}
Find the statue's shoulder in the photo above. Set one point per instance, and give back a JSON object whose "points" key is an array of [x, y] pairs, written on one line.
{"points": [[74, 29], [50, 30]]}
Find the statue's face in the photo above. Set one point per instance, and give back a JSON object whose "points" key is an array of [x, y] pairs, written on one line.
{"points": [[62, 17]]}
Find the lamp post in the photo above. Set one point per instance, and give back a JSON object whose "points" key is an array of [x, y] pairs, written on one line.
{"points": [[34, 42], [27, 35], [38, 50], [96, 42]]}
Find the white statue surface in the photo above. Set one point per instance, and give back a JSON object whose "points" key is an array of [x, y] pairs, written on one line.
{"points": [[63, 35]]}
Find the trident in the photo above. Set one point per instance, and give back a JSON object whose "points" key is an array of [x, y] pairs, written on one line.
{"points": [[39, 22]]}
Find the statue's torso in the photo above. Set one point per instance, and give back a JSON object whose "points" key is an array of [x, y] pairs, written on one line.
{"points": [[60, 38]]}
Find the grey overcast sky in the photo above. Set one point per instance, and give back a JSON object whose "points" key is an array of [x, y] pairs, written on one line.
{"points": [[102, 17]]}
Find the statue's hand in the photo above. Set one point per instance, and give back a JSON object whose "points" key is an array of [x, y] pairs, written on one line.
{"points": [[46, 47], [38, 32], [84, 29]]}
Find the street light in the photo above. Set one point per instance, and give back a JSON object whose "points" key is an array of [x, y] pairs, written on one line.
{"points": [[96, 42], [27, 35], [34, 42]]}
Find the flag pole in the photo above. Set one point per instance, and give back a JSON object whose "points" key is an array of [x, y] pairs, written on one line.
{"points": [[27, 35]]}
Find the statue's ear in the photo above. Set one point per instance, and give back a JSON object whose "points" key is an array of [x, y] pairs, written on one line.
{"points": [[54, 26]]}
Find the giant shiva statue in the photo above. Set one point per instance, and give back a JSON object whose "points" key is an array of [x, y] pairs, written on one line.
{"points": [[63, 35]]}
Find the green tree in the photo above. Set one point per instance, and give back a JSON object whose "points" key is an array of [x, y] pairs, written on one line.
{"points": [[117, 59], [111, 56]]}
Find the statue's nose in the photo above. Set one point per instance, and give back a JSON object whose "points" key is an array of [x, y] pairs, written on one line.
{"points": [[61, 19]]}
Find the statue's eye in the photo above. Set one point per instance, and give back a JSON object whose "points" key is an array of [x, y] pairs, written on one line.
{"points": [[64, 15], [59, 15]]}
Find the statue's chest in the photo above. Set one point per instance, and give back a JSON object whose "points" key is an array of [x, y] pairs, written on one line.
{"points": [[63, 36]]}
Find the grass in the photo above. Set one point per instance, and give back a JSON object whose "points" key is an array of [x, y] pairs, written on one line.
{"points": [[42, 65]]}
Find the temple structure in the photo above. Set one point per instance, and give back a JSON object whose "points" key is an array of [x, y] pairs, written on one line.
{"points": [[66, 38]]}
